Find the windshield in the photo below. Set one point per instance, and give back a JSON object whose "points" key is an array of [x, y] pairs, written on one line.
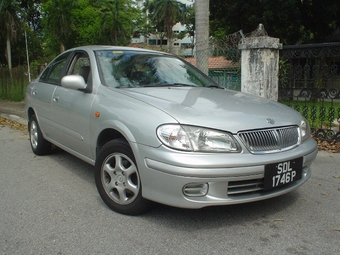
{"points": [[143, 69]]}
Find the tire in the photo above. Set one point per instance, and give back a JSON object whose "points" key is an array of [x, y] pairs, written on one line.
{"points": [[38, 144], [117, 179]]}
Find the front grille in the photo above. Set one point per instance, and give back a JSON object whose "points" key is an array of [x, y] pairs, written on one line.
{"points": [[270, 140]]}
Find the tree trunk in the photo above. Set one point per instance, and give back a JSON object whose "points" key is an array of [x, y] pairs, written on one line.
{"points": [[62, 47], [202, 34], [9, 56], [169, 35]]}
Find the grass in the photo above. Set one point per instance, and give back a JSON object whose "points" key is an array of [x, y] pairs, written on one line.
{"points": [[13, 88], [13, 91], [320, 114]]}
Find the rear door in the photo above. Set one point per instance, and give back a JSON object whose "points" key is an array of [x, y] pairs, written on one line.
{"points": [[44, 88]]}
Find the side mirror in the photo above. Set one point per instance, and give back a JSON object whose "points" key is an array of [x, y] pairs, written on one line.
{"points": [[75, 82]]}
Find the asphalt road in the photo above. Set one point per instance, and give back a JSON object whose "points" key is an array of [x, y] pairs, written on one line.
{"points": [[50, 205]]}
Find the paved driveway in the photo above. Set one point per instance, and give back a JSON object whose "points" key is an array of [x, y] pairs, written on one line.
{"points": [[50, 205]]}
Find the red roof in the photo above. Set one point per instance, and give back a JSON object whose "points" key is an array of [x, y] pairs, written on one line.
{"points": [[145, 46], [219, 62]]}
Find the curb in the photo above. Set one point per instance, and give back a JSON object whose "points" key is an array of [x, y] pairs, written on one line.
{"points": [[14, 118]]}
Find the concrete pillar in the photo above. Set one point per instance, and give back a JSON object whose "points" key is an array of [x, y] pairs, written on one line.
{"points": [[260, 66]]}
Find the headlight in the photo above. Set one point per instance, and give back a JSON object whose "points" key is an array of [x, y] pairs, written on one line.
{"points": [[305, 130], [190, 138]]}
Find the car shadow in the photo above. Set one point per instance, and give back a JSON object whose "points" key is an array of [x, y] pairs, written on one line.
{"points": [[75, 165], [257, 213]]}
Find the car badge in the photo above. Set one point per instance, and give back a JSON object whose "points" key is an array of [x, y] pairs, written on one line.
{"points": [[270, 121]]}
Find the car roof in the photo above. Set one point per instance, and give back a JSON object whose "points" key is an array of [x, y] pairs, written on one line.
{"points": [[122, 48]]}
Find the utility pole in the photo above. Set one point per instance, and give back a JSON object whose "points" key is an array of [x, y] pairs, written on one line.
{"points": [[28, 59]]}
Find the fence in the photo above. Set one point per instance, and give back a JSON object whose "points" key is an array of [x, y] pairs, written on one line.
{"points": [[309, 81], [224, 63], [13, 85]]}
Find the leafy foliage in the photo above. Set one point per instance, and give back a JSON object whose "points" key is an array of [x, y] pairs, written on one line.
{"points": [[58, 20], [87, 23], [10, 26], [293, 21], [52, 25], [117, 18]]}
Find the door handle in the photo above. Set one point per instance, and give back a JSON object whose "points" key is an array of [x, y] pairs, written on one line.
{"points": [[34, 92], [56, 99]]}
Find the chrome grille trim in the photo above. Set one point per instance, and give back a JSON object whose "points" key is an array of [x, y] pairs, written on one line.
{"points": [[270, 140]]}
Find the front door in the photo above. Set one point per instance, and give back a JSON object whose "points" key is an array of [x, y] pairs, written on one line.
{"points": [[71, 109]]}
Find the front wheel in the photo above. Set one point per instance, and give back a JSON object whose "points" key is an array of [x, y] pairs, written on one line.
{"points": [[117, 179], [38, 144]]}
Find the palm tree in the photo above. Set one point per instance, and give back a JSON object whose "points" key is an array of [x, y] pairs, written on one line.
{"points": [[10, 26], [111, 19], [202, 34], [167, 12], [117, 20], [59, 20]]}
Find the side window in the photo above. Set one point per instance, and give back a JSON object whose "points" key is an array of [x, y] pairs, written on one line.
{"points": [[52, 73], [80, 65]]}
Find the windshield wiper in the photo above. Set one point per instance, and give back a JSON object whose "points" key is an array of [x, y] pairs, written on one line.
{"points": [[170, 85], [182, 85], [214, 86]]}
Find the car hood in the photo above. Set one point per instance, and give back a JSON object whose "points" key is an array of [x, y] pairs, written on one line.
{"points": [[217, 108]]}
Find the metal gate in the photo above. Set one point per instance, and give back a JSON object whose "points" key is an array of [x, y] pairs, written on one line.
{"points": [[309, 81]]}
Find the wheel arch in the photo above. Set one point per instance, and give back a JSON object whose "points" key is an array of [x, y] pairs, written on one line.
{"points": [[30, 112], [107, 135], [113, 129]]}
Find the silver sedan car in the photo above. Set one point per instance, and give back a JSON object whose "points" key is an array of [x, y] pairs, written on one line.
{"points": [[157, 129]]}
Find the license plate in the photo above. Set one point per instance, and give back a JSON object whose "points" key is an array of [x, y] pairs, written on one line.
{"points": [[279, 174]]}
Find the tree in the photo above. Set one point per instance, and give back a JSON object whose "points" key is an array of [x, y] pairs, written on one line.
{"points": [[59, 20], [117, 20], [167, 13], [10, 26], [30, 11], [202, 35], [87, 23], [293, 21], [320, 19], [153, 27]]}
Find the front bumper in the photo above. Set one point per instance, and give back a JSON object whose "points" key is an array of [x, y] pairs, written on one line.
{"points": [[191, 180]]}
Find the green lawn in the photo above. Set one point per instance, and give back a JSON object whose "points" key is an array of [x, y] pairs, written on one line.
{"points": [[13, 87], [319, 114]]}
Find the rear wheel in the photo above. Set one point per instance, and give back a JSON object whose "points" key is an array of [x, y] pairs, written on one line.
{"points": [[117, 179], [39, 145]]}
